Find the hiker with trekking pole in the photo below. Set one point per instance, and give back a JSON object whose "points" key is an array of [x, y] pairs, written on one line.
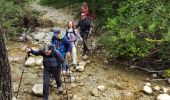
{"points": [[53, 63], [73, 35]]}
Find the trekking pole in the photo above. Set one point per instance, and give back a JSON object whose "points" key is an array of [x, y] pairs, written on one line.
{"points": [[26, 57]]}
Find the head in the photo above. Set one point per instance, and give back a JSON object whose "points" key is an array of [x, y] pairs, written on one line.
{"points": [[70, 24], [48, 49], [83, 16], [57, 32], [84, 3]]}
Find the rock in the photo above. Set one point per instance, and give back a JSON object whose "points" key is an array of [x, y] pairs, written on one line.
{"points": [[73, 85], [154, 75], [156, 88], [94, 92], [24, 48], [148, 84], [81, 66], [13, 59], [163, 97], [14, 98], [73, 79], [75, 97], [88, 61], [30, 62], [101, 88], [147, 89], [38, 61], [165, 90], [169, 81], [38, 89], [39, 36], [42, 67], [85, 57], [106, 61]]}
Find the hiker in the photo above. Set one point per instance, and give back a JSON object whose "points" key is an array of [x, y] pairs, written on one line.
{"points": [[52, 61], [72, 35], [86, 11], [85, 30], [61, 43]]}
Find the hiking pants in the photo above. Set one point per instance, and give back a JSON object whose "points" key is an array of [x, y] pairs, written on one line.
{"points": [[56, 72], [74, 53], [84, 37]]}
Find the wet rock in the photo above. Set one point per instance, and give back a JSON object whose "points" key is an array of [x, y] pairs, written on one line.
{"points": [[38, 61], [39, 36], [81, 66], [163, 97], [94, 92], [30, 62], [147, 89], [156, 88], [101, 88], [38, 89]]}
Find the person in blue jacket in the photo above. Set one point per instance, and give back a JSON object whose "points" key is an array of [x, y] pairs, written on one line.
{"points": [[61, 43], [52, 61]]}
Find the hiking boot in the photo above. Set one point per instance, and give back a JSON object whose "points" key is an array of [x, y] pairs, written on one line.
{"points": [[60, 89]]}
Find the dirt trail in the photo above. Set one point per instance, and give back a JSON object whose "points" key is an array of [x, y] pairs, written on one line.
{"points": [[121, 83]]}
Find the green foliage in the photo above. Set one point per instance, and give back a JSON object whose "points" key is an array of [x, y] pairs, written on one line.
{"points": [[12, 12], [166, 73], [139, 27]]}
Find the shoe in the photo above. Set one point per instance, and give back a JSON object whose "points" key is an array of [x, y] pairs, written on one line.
{"points": [[60, 89]]}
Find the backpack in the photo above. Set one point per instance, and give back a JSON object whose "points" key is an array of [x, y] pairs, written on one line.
{"points": [[68, 32]]}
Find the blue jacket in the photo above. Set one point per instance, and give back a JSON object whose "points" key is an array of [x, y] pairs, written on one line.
{"points": [[63, 45], [55, 59]]}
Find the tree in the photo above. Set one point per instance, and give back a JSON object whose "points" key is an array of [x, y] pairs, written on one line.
{"points": [[5, 71]]}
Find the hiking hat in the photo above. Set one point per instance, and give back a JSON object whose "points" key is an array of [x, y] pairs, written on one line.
{"points": [[56, 30]]}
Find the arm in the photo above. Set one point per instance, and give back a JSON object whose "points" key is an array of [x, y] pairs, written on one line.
{"points": [[61, 59], [36, 53], [78, 35], [67, 43], [53, 41], [78, 25]]}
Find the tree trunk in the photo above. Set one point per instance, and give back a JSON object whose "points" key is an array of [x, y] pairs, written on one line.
{"points": [[5, 71]]}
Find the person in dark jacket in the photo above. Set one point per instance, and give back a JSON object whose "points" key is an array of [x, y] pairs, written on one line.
{"points": [[52, 61], [85, 30]]}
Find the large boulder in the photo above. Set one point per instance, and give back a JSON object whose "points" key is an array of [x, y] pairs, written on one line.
{"points": [[163, 97], [38, 89], [30, 62]]}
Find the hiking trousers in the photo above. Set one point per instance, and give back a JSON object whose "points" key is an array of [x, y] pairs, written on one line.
{"points": [[56, 72], [84, 36], [74, 53]]}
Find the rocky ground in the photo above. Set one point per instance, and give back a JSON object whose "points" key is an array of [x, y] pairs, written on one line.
{"points": [[94, 79]]}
